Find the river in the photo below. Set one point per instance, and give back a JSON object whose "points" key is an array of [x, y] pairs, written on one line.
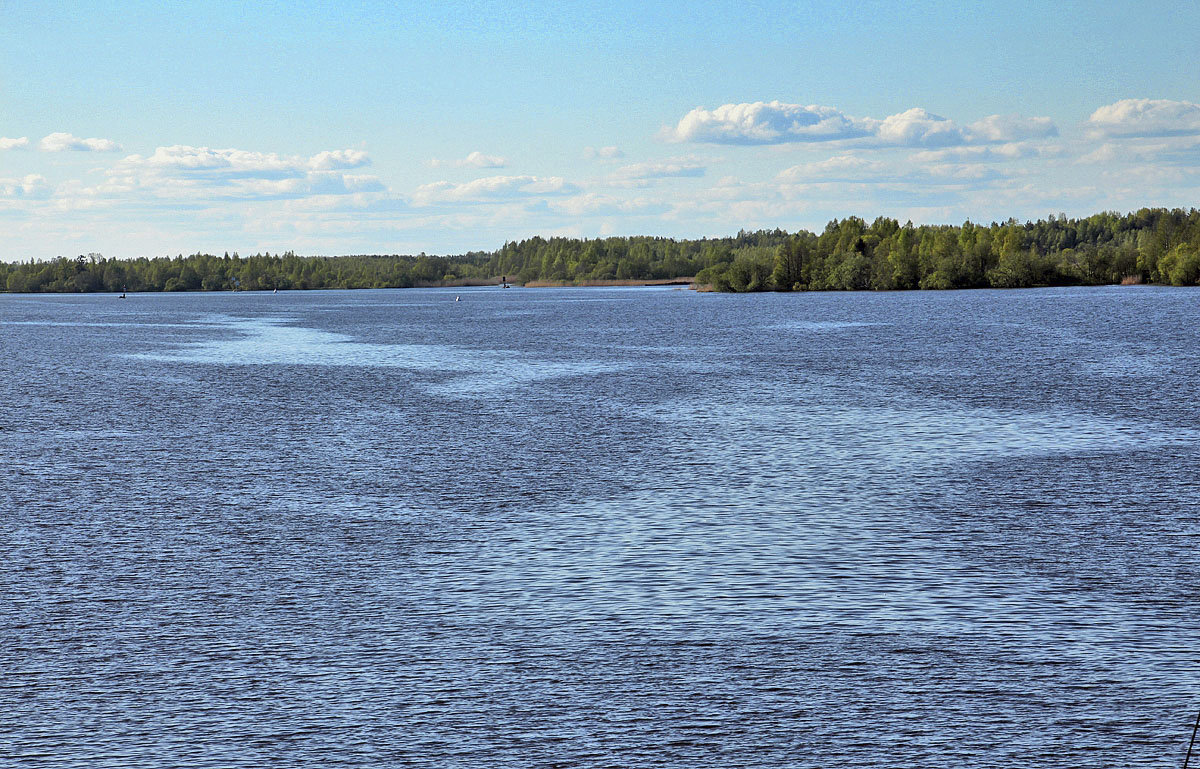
{"points": [[600, 527]]}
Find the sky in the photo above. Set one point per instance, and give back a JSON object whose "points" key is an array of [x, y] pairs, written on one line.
{"points": [[146, 129]]}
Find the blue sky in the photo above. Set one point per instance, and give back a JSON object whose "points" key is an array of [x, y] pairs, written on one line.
{"points": [[140, 129]]}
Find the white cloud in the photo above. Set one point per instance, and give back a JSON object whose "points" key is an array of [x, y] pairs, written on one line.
{"points": [[319, 183], [362, 183], [730, 188], [838, 167], [602, 153], [1011, 128], [1180, 151], [917, 128], [186, 197], [893, 174], [665, 169], [31, 187], [181, 157], [779, 123], [194, 174], [491, 188], [64, 142], [594, 204], [1105, 153], [331, 160], [474, 160], [1145, 118], [976, 153], [479, 160], [14, 144], [760, 122], [961, 172], [234, 162]]}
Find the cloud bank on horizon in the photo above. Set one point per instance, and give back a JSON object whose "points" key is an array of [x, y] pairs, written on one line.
{"points": [[775, 122], [383, 127], [781, 165]]}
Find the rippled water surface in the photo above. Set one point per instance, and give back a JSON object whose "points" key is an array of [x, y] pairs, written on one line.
{"points": [[594, 528]]}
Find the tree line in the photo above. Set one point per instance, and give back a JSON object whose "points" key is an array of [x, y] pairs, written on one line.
{"points": [[1152, 245]]}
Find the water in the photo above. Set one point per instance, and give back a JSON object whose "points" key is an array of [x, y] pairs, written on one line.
{"points": [[593, 528]]}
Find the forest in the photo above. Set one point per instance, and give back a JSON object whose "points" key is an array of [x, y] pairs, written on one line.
{"points": [[1152, 245]]}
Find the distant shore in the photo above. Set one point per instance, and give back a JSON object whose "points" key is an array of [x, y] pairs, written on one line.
{"points": [[1155, 246], [689, 283], [685, 281]]}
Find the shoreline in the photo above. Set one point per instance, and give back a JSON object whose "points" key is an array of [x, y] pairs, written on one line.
{"points": [[682, 281], [678, 283]]}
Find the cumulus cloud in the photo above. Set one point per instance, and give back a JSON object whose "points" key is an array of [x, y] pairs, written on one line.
{"points": [[31, 187], [65, 142], [233, 162], [195, 173], [491, 188], [654, 170], [1105, 153], [602, 153], [859, 171], [14, 144], [181, 157], [779, 123], [961, 172], [918, 128], [992, 153], [474, 160], [594, 204], [479, 160], [1145, 118], [318, 183], [361, 183], [1157, 152], [331, 160], [1012, 128], [837, 168], [760, 122]]}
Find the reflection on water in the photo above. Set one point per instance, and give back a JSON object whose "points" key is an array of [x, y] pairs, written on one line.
{"points": [[821, 325], [274, 341], [937, 433], [630, 527]]}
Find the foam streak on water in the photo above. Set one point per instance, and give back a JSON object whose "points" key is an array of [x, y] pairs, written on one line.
{"points": [[591, 527]]}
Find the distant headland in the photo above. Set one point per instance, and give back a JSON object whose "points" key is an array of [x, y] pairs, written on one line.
{"points": [[1152, 245]]}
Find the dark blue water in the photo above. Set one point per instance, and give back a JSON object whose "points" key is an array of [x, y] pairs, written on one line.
{"points": [[600, 528]]}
